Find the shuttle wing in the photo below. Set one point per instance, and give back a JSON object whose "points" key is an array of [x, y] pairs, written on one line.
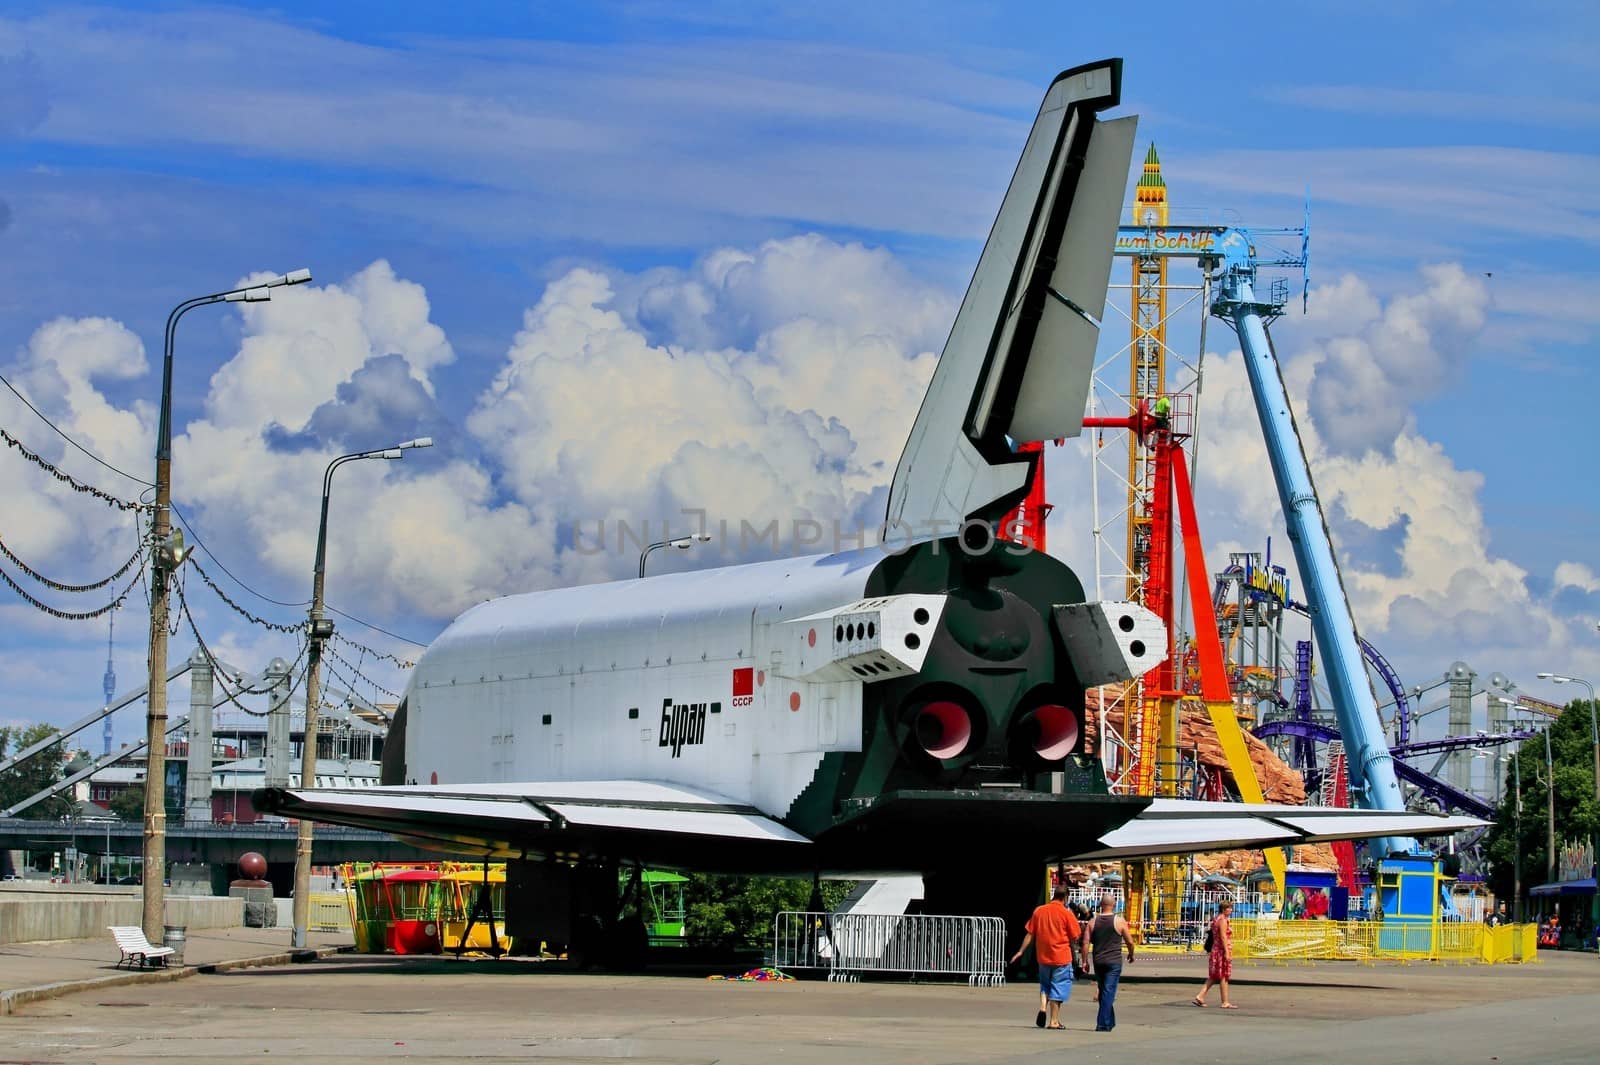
{"points": [[1017, 364], [1176, 826], [668, 824]]}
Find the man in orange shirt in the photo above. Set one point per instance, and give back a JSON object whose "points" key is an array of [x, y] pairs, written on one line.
{"points": [[1056, 933]]}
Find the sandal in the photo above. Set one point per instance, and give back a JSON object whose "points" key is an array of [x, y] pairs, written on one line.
{"points": [[1229, 1006], [1199, 1002], [1055, 1027]]}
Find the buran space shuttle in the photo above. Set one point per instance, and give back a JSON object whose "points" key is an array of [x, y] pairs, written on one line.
{"points": [[911, 708]]}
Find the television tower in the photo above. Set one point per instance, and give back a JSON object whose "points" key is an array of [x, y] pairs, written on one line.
{"points": [[110, 678]]}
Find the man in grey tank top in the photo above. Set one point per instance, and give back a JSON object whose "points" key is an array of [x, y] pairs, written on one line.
{"points": [[1104, 937]]}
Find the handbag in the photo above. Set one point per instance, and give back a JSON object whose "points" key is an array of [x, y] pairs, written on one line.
{"points": [[1211, 937]]}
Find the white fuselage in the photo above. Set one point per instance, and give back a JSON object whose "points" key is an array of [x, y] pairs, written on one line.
{"points": [[678, 678]]}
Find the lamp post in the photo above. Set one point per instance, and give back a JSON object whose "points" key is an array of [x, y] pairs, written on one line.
{"points": [[1516, 890], [682, 543], [319, 630], [166, 554], [1550, 803], [1404, 727]]}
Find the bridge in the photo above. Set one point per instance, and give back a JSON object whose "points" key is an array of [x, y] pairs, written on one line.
{"points": [[211, 844]]}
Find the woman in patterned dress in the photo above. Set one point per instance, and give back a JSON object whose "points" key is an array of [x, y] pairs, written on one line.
{"points": [[1220, 961]]}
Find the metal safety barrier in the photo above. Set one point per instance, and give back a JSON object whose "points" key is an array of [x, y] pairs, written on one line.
{"points": [[1511, 943], [328, 912], [1443, 942], [849, 945]]}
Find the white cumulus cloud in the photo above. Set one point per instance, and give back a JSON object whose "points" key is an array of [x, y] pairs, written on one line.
{"points": [[736, 387], [1577, 575], [1368, 376]]}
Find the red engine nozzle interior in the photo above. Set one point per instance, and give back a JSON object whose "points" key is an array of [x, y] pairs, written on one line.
{"points": [[943, 728], [1057, 731]]}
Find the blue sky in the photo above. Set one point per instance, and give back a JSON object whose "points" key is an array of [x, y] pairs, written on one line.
{"points": [[149, 152]]}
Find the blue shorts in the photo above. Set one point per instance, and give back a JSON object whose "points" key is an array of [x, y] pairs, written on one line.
{"points": [[1055, 982]]}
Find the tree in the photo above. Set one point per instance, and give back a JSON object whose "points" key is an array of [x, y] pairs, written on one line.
{"points": [[34, 775], [1577, 816], [128, 803], [733, 910]]}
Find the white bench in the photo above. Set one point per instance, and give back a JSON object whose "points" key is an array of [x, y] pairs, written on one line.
{"points": [[136, 948]]}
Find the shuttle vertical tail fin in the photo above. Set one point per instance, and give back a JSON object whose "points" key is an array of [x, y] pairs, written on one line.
{"points": [[1017, 364]]}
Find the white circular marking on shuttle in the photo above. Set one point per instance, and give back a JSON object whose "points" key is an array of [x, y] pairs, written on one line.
{"points": [[1058, 731], [943, 728]]}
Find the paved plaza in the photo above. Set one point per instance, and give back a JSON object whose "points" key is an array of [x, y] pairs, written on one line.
{"points": [[350, 1008]]}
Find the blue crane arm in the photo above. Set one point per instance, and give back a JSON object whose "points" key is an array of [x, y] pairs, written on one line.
{"points": [[1373, 780]]}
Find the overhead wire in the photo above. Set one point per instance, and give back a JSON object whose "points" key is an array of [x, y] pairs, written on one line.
{"points": [[60, 586], [175, 584], [400, 663], [62, 434], [187, 524], [375, 628], [350, 690], [219, 671], [275, 626], [71, 615], [357, 671], [66, 478], [195, 536]]}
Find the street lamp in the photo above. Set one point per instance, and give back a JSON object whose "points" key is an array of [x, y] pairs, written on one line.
{"points": [[166, 555], [320, 629], [1594, 741], [1516, 870], [682, 543], [1405, 726], [1550, 803]]}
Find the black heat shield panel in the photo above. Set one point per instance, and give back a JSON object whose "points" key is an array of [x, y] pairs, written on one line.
{"points": [[929, 830]]}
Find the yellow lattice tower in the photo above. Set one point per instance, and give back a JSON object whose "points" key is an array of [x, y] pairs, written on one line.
{"points": [[1154, 730], [1147, 379]]}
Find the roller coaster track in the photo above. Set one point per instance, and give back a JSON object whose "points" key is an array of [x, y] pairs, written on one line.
{"points": [[1445, 794], [1391, 679]]}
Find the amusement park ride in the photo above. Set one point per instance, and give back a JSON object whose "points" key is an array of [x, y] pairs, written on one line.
{"points": [[1250, 597]]}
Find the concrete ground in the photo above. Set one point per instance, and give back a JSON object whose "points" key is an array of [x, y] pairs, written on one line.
{"points": [[352, 1008], [33, 964], [30, 972]]}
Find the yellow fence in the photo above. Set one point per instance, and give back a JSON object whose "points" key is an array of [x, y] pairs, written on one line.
{"points": [[329, 912], [1449, 942], [1511, 942]]}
